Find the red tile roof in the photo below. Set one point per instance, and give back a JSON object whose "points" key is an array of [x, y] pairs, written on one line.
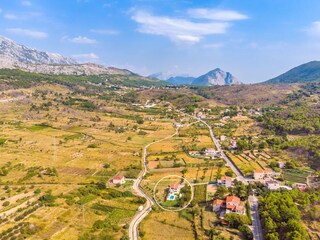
{"points": [[239, 208], [118, 177], [174, 185], [231, 207], [219, 202], [233, 199]]}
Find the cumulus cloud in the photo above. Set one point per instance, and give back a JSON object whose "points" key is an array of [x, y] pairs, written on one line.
{"points": [[86, 57], [81, 40], [177, 29], [314, 29], [216, 14], [104, 31], [27, 33]]}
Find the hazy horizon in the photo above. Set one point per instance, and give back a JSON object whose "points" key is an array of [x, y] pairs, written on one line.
{"points": [[253, 41]]}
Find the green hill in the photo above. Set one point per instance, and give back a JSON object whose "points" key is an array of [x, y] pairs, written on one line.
{"points": [[14, 78], [308, 72]]}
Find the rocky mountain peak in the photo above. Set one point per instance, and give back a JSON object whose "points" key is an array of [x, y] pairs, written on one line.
{"points": [[216, 77], [15, 52]]}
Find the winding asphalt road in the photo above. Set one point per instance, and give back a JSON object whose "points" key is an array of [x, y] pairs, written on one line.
{"points": [[134, 224], [239, 175], [257, 230], [229, 163]]}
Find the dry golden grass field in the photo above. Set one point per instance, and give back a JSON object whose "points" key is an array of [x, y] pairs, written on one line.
{"points": [[57, 149]]}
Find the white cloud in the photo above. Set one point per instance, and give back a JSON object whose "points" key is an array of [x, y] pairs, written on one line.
{"points": [[216, 14], [81, 40], [1, 10], [10, 16], [27, 33], [86, 57], [26, 3], [214, 45], [177, 29], [314, 29], [105, 31]]}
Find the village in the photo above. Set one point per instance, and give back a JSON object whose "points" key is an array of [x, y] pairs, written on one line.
{"points": [[266, 179]]}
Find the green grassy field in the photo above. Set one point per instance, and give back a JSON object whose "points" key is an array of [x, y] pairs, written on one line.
{"points": [[295, 175]]}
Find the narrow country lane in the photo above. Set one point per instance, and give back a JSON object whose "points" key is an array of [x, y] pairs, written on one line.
{"points": [[134, 225], [254, 207], [257, 230], [229, 163]]}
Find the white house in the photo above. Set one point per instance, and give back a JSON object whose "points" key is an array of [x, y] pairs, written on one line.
{"points": [[223, 138], [261, 174], [118, 179], [272, 185], [174, 190], [225, 181], [210, 152]]}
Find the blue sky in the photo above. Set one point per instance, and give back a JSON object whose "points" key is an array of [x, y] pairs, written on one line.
{"points": [[254, 40]]}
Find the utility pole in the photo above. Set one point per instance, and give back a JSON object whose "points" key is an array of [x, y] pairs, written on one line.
{"points": [[54, 149], [82, 207]]}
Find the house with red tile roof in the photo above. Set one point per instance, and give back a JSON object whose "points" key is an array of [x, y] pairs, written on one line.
{"points": [[300, 186], [174, 190], [218, 204], [232, 204], [210, 152], [118, 179]]}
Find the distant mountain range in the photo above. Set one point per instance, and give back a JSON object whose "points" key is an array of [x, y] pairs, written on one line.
{"points": [[162, 75], [307, 72], [17, 56], [19, 53], [212, 78], [181, 80]]}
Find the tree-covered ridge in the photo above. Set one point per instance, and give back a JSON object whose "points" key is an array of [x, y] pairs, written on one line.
{"points": [[281, 214], [293, 120], [21, 79], [304, 73], [305, 147]]}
